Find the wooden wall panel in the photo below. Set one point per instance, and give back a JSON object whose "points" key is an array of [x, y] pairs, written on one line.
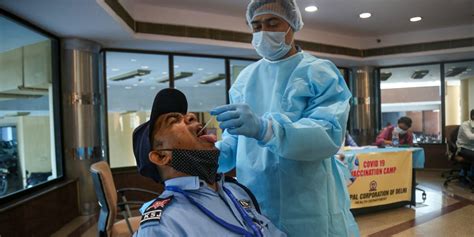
{"points": [[40, 214]]}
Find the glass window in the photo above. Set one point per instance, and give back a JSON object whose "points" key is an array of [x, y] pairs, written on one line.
{"points": [[203, 82], [133, 79], [414, 92], [27, 117], [459, 92]]}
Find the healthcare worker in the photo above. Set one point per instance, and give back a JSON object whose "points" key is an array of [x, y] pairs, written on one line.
{"points": [[286, 120]]}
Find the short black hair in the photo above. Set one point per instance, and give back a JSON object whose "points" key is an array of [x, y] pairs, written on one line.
{"points": [[472, 114], [405, 120]]}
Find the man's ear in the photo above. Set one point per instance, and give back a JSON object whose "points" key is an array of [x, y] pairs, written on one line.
{"points": [[160, 157]]}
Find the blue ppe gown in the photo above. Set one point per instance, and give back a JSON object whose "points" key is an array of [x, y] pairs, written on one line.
{"points": [[292, 175]]}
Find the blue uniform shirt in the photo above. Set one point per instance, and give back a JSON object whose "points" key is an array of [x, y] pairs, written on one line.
{"points": [[179, 217]]}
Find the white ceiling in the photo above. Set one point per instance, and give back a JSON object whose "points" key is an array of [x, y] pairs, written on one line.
{"points": [[342, 16], [87, 19]]}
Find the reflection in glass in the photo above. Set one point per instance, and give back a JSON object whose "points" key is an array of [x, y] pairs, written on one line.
{"points": [[27, 147], [413, 92], [459, 88], [133, 80], [203, 82], [236, 66]]}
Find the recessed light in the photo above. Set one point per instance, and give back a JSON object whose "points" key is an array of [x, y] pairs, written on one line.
{"points": [[176, 66], [415, 19], [365, 15], [218, 84], [311, 8], [115, 69], [152, 88], [200, 69], [128, 87], [135, 84], [144, 67], [133, 60]]}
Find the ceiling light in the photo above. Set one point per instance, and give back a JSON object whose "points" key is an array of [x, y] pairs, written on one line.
{"points": [[176, 66], [128, 87], [415, 19], [135, 85], [385, 75], [144, 67], [365, 15], [131, 74], [177, 76], [115, 69], [419, 74], [133, 60], [311, 8], [455, 71], [212, 78], [200, 69], [152, 88], [218, 84]]}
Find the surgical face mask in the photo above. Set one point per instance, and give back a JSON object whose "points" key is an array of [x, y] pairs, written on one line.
{"points": [[400, 131], [271, 45], [201, 163]]}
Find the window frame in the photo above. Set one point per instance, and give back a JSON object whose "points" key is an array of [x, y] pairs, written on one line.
{"points": [[57, 109]]}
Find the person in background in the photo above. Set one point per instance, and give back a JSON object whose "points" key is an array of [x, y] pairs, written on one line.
{"points": [[465, 142], [349, 141], [405, 137], [286, 120], [173, 149]]}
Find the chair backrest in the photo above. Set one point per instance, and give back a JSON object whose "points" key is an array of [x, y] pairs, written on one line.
{"points": [[106, 194], [451, 132]]}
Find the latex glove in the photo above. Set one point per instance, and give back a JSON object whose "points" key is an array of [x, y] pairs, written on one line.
{"points": [[239, 119]]}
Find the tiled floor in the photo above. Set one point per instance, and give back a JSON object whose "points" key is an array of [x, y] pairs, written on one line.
{"points": [[446, 212]]}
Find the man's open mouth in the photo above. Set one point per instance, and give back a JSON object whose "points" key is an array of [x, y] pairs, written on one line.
{"points": [[207, 137]]}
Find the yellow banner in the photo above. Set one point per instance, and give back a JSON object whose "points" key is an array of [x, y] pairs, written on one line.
{"points": [[381, 178]]}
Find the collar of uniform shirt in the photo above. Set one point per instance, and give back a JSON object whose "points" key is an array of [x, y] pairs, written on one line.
{"points": [[189, 183]]}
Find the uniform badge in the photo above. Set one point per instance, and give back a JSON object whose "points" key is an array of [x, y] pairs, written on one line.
{"points": [[155, 210], [245, 203]]}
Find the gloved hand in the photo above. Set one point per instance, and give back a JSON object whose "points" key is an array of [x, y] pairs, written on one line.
{"points": [[239, 119]]}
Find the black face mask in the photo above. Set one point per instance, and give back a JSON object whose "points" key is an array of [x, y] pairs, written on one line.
{"points": [[201, 163]]}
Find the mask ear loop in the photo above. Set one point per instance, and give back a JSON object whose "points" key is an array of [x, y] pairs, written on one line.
{"points": [[292, 38]]}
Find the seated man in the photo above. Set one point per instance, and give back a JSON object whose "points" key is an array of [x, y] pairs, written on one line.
{"points": [[405, 137], [465, 141], [197, 201]]}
